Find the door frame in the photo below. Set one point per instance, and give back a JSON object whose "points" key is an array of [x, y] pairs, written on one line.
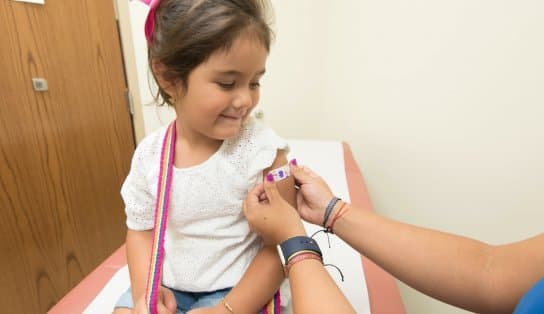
{"points": [[122, 13]]}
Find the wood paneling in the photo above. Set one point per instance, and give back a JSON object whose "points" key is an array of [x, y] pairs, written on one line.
{"points": [[63, 153]]}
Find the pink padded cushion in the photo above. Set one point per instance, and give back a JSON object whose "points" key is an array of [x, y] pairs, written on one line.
{"points": [[382, 288], [84, 293]]}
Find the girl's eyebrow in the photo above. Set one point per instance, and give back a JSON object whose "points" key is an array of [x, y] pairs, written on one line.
{"points": [[236, 73]]}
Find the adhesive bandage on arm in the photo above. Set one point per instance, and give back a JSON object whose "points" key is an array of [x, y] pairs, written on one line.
{"points": [[280, 173]]}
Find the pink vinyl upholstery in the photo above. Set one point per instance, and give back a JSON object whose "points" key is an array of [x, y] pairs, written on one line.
{"points": [[382, 288]]}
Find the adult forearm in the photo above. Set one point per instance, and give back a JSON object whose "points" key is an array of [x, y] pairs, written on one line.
{"points": [[138, 245], [259, 283], [314, 291], [444, 266]]}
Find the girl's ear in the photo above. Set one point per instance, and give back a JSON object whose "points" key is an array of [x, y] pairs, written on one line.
{"points": [[167, 84]]}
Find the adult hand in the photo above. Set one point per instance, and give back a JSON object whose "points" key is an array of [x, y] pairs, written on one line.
{"points": [[313, 196], [166, 303], [271, 217]]}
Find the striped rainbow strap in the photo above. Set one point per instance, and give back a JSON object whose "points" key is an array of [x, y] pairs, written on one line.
{"points": [[273, 306], [161, 215]]}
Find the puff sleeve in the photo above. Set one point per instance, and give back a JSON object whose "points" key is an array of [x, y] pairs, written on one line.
{"points": [[137, 195], [264, 146]]}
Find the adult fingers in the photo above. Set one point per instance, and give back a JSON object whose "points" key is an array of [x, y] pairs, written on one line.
{"points": [[302, 175], [300, 200], [262, 197], [255, 195], [270, 188]]}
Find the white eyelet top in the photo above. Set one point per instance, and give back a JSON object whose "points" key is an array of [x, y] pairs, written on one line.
{"points": [[208, 244]]}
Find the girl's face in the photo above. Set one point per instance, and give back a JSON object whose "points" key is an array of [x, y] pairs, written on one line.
{"points": [[222, 91]]}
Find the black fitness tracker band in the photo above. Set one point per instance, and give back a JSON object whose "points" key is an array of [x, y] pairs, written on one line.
{"points": [[297, 244]]}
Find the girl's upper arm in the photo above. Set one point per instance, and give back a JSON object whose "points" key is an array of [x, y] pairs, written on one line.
{"points": [[286, 187]]}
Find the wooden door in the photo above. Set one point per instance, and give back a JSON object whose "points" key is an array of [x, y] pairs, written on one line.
{"points": [[64, 153]]}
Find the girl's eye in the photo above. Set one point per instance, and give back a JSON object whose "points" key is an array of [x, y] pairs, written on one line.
{"points": [[225, 85], [255, 85]]}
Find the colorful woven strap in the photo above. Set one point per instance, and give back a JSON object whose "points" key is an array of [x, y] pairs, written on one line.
{"points": [[161, 215], [273, 307]]}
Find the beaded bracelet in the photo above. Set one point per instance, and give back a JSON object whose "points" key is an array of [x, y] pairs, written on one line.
{"points": [[337, 216], [302, 257], [301, 252], [329, 209]]}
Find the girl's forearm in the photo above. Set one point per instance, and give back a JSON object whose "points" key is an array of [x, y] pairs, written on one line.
{"points": [[259, 283], [138, 246]]}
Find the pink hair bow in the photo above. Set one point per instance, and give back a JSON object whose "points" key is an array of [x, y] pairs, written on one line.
{"points": [[150, 21]]}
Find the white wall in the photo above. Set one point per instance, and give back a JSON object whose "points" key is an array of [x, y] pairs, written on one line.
{"points": [[441, 101], [154, 116]]}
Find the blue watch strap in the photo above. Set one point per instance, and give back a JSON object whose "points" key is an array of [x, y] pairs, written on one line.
{"points": [[296, 244]]}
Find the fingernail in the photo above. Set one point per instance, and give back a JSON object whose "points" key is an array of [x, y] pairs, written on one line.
{"points": [[294, 162], [270, 177]]}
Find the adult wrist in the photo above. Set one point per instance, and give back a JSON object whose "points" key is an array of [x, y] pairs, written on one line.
{"points": [[341, 209], [297, 249], [325, 202], [329, 209], [297, 245], [297, 231], [302, 257]]}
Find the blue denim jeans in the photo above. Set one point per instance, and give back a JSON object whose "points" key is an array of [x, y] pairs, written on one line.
{"points": [[186, 301]]}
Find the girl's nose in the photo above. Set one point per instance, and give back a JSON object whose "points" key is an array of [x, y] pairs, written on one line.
{"points": [[243, 99]]}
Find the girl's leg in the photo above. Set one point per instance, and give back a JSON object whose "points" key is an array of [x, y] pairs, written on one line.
{"points": [[184, 301]]}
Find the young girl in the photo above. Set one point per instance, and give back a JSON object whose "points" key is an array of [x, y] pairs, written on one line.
{"points": [[207, 57]]}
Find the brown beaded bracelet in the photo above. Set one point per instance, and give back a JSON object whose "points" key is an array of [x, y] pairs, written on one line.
{"points": [[341, 212], [301, 257]]}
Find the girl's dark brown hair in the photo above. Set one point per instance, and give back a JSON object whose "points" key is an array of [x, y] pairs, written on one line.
{"points": [[187, 32]]}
